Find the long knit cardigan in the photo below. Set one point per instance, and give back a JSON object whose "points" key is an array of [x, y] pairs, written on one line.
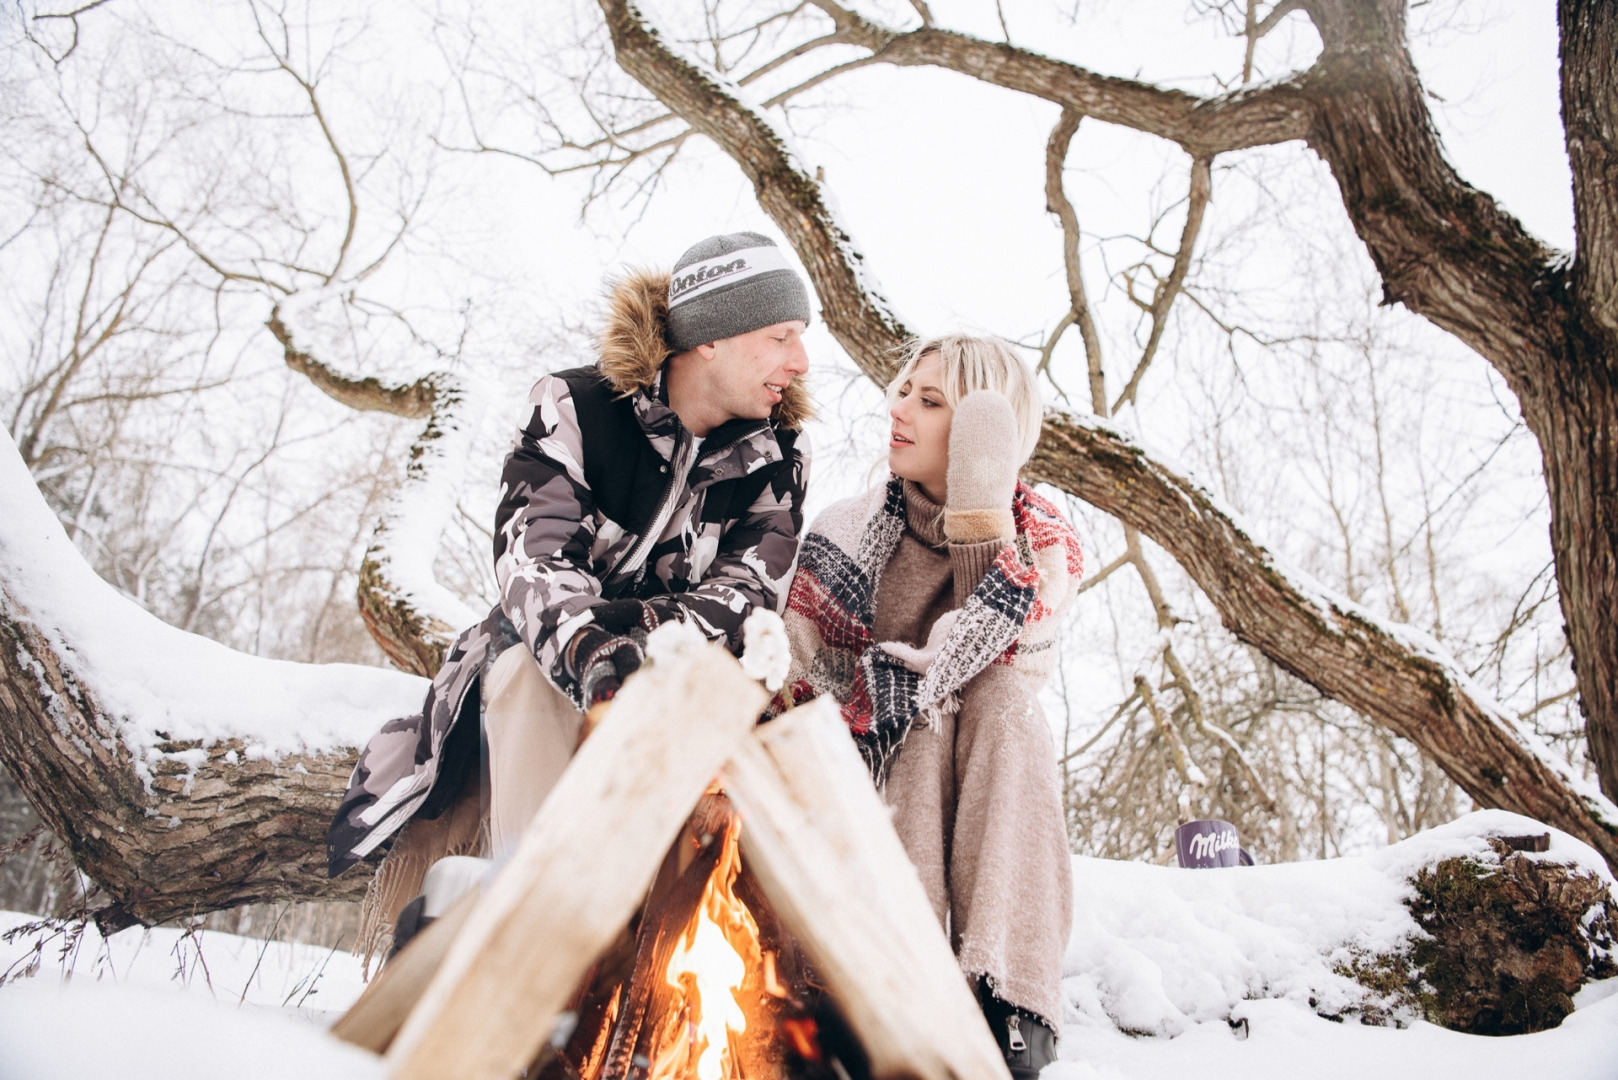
{"points": [[1010, 618]]}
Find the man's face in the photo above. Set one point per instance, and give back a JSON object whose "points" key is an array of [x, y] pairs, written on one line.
{"points": [[748, 373]]}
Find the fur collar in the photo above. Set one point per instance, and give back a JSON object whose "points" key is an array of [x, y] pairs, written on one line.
{"points": [[634, 344]]}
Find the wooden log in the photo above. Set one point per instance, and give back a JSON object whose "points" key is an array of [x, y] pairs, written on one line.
{"points": [[374, 1019], [818, 836], [584, 863], [662, 924]]}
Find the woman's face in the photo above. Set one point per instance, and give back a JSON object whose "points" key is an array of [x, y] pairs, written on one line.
{"points": [[918, 447]]}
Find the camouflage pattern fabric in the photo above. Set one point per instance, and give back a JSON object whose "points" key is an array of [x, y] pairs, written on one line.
{"points": [[557, 556]]}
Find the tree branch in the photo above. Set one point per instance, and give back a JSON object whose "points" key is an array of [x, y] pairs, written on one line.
{"points": [[1257, 116], [1590, 122], [1196, 203], [414, 400], [1057, 202]]}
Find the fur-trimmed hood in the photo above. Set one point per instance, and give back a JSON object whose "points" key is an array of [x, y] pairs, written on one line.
{"points": [[634, 342]]}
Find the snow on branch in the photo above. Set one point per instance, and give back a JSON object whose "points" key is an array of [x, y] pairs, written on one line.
{"points": [[410, 614], [185, 776]]}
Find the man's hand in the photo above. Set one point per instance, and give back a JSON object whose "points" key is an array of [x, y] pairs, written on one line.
{"points": [[601, 661]]}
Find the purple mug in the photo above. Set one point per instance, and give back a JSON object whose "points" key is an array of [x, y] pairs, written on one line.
{"points": [[1209, 842]]}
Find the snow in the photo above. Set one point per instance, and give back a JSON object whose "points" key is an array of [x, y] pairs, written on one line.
{"points": [[1170, 973], [407, 540], [1160, 950], [673, 642], [157, 683], [163, 1005], [766, 651], [1283, 1040]]}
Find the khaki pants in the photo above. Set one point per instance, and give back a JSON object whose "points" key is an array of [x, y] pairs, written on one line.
{"points": [[532, 729], [977, 802]]}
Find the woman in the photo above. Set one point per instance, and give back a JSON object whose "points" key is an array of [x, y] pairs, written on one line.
{"points": [[929, 608]]}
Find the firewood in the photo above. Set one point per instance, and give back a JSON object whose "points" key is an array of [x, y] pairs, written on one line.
{"points": [[666, 917], [818, 836], [583, 865]]}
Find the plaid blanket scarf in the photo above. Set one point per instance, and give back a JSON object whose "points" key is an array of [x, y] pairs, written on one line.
{"points": [[1011, 617]]}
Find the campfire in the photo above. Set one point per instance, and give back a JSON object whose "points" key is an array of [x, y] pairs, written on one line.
{"points": [[565, 965], [705, 985]]}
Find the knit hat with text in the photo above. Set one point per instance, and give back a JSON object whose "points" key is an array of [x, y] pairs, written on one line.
{"points": [[732, 284]]}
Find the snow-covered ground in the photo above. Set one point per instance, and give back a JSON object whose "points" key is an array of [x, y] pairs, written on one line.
{"points": [[1164, 967], [162, 1004]]}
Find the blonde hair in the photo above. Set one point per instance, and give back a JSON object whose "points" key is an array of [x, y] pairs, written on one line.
{"points": [[967, 363]]}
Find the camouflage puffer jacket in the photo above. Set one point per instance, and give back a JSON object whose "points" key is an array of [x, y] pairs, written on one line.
{"points": [[605, 495]]}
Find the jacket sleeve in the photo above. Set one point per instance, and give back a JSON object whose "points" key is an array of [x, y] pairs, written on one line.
{"points": [[755, 559], [544, 529]]}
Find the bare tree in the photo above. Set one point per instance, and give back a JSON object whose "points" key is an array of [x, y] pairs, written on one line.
{"points": [[287, 233], [293, 250], [1443, 249]]}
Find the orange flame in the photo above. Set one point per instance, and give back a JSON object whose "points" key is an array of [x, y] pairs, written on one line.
{"points": [[710, 964]]}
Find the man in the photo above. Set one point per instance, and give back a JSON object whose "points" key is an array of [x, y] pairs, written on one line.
{"points": [[663, 483]]}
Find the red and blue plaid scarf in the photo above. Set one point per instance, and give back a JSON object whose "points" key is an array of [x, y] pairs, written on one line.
{"points": [[834, 592]]}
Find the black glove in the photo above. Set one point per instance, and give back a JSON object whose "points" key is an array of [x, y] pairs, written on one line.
{"points": [[600, 661], [625, 616]]}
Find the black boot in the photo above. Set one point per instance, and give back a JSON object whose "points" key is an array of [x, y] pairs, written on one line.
{"points": [[411, 922], [447, 881], [1028, 1045]]}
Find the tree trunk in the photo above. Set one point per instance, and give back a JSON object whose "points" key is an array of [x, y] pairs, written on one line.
{"points": [[1448, 252], [231, 832]]}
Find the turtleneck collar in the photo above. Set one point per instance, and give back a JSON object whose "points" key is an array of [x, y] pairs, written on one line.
{"points": [[923, 517]]}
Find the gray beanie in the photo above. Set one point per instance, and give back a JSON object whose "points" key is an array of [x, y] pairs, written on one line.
{"points": [[729, 285]]}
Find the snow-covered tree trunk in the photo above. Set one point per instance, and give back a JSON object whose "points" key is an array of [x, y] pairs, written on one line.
{"points": [[183, 776]]}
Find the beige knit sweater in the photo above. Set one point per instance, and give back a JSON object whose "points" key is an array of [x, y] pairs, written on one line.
{"points": [[976, 794]]}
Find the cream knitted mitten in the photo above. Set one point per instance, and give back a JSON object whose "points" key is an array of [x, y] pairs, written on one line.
{"points": [[982, 473]]}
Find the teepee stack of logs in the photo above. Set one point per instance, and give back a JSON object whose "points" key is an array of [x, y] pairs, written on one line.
{"points": [[478, 994]]}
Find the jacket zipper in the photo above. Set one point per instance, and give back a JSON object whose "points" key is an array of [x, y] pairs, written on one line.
{"points": [[636, 555], [1015, 1043]]}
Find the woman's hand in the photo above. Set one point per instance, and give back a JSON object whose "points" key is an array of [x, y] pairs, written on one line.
{"points": [[983, 450]]}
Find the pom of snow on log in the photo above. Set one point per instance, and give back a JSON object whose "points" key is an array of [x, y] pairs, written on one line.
{"points": [[766, 653], [674, 643]]}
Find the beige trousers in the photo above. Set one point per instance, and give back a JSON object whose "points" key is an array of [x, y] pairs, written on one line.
{"points": [[532, 729], [977, 802]]}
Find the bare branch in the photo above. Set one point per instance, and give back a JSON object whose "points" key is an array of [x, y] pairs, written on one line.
{"points": [[72, 17], [1260, 116], [1169, 291], [283, 60], [1256, 28], [1092, 580], [415, 400], [1057, 202], [1199, 716], [815, 80]]}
